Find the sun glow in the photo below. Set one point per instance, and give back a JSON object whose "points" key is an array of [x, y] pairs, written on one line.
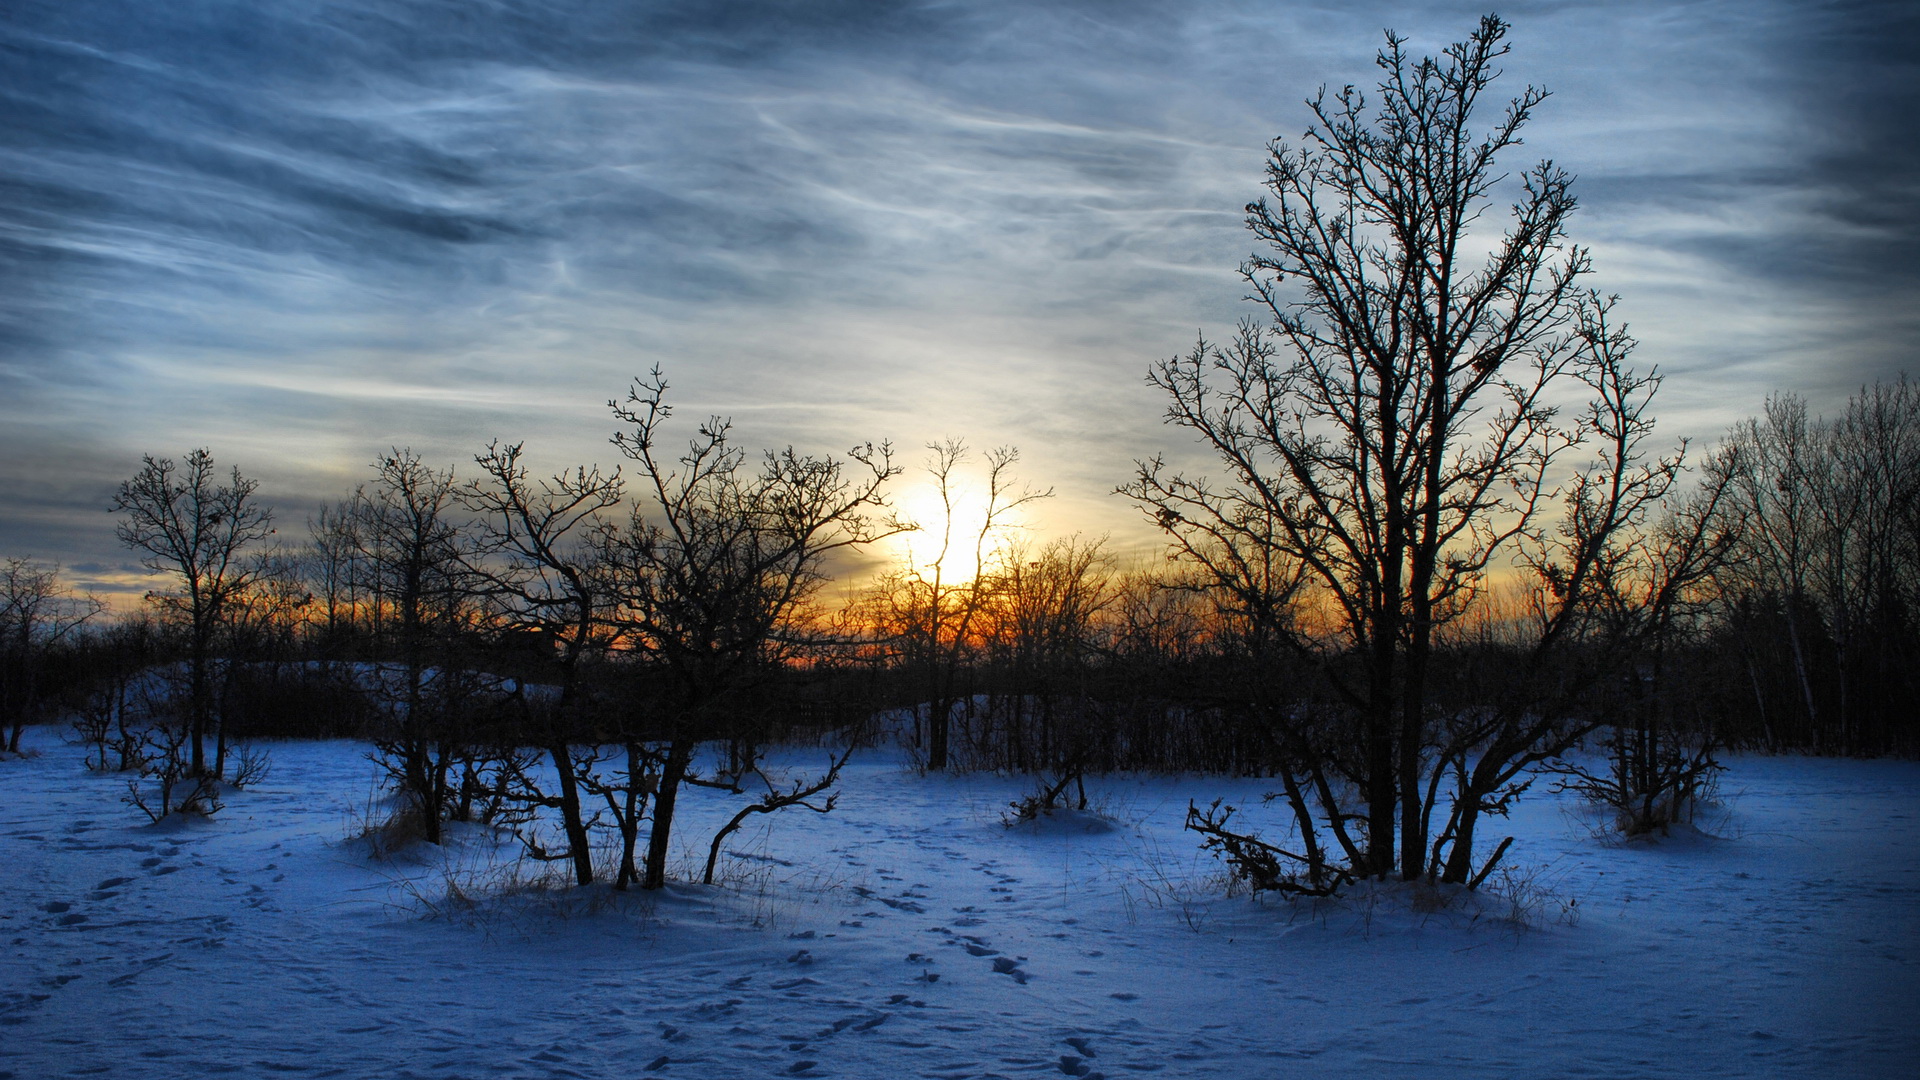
{"points": [[948, 540]]}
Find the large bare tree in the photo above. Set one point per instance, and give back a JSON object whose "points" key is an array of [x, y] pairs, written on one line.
{"points": [[1391, 435]]}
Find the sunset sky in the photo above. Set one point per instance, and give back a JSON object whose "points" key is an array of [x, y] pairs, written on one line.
{"points": [[299, 232]]}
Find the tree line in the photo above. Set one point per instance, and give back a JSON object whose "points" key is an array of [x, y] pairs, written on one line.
{"points": [[1441, 548]]}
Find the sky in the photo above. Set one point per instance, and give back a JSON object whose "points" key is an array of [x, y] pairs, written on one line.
{"points": [[302, 232]]}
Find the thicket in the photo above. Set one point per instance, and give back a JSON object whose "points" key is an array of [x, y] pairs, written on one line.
{"points": [[1050, 659]]}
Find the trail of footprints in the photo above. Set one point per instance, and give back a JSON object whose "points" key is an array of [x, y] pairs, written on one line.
{"points": [[809, 1048], [104, 908], [156, 864]]}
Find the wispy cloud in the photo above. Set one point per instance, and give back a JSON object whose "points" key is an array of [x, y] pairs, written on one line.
{"points": [[301, 232]]}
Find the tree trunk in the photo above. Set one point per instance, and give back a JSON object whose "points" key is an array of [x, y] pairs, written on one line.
{"points": [[197, 703], [1382, 798], [1460, 858], [571, 821], [1413, 833], [939, 712], [630, 820], [670, 776]]}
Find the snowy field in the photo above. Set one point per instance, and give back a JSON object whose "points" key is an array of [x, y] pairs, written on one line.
{"points": [[910, 934]]}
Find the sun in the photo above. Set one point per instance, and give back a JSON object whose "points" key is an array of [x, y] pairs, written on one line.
{"points": [[948, 540]]}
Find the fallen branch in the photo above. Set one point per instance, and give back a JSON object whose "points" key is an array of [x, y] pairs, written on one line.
{"points": [[775, 799]]}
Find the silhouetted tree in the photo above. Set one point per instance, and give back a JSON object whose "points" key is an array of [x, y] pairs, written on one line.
{"points": [[411, 557], [932, 613], [1394, 435], [192, 527], [1821, 603], [712, 572], [541, 572], [38, 614]]}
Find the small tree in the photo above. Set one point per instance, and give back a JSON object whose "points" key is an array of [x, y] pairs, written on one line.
{"points": [[1040, 633], [411, 557], [934, 613], [540, 571], [111, 713], [37, 615], [197, 530], [713, 573]]}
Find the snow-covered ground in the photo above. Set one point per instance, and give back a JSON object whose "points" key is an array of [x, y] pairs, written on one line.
{"points": [[910, 934]]}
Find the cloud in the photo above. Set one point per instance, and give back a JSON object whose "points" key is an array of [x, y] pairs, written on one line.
{"points": [[301, 233]]}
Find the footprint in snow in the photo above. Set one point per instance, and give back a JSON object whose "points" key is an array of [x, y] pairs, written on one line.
{"points": [[55, 907], [1008, 966], [1075, 1066], [113, 883], [12, 1002], [841, 1025]]}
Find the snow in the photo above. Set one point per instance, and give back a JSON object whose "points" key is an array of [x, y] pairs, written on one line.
{"points": [[911, 933]]}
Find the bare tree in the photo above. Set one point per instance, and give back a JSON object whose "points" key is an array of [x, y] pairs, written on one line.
{"points": [[109, 716], [37, 615], [332, 547], [1820, 601], [412, 557], [1040, 636], [541, 571], [1393, 435], [932, 611], [713, 572], [196, 529]]}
